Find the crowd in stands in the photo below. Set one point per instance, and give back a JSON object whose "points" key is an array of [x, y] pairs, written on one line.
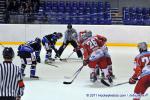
{"points": [[75, 12], [23, 6]]}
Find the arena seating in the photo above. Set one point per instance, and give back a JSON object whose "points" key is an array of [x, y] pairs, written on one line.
{"points": [[75, 12], [136, 16]]}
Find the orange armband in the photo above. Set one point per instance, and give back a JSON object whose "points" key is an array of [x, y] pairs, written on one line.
{"points": [[21, 83]]}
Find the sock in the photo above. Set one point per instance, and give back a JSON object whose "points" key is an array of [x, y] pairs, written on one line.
{"points": [[32, 70]]}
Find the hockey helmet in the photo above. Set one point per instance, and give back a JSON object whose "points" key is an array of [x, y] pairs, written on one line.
{"points": [[59, 35], [82, 36], [55, 33], [8, 53], [85, 34], [88, 33], [38, 40], [69, 26], [142, 46]]}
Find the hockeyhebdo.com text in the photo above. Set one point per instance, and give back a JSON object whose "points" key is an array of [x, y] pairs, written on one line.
{"points": [[93, 95]]}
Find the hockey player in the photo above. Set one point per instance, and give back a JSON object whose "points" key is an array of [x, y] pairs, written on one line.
{"points": [[69, 38], [107, 55], [49, 42], [30, 55], [94, 55], [105, 50], [141, 71]]}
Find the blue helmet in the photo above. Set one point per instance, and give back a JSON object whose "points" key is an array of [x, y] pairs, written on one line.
{"points": [[69, 26], [59, 35]]}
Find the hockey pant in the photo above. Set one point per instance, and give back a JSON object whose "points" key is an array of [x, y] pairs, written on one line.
{"points": [[74, 44], [97, 58], [141, 87], [28, 58], [109, 61]]}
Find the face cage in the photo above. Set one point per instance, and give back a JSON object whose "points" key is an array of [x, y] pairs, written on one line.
{"points": [[142, 46]]}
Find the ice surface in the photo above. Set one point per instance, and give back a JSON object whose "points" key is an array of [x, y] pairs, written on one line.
{"points": [[50, 85]]}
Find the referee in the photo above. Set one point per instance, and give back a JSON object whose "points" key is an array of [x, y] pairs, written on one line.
{"points": [[69, 38], [11, 82]]}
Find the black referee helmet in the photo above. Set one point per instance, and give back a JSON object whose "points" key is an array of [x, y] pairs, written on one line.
{"points": [[8, 53], [69, 26]]}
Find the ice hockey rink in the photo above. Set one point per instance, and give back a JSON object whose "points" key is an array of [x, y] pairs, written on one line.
{"points": [[50, 85]]}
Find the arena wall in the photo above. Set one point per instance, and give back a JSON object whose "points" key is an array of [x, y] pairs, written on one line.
{"points": [[118, 35]]}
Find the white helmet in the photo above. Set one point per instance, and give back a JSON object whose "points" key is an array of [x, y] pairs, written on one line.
{"points": [[85, 35], [142, 46]]}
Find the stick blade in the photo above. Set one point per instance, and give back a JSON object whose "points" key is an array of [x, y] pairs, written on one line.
{"points": [[105, 83], [67, 82], [64, 60], [52, 65]]}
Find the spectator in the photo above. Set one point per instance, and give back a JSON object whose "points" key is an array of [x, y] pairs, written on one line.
{"points": [[28, 7], [13, 6]]}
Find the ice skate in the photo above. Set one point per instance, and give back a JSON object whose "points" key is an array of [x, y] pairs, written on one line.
{"points": [[102, 75], [50, 60], [93, 77], [111, 75], [34, 77]]}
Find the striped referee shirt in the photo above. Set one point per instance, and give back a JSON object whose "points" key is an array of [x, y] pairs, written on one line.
{"points": [[11, 82], [69, 35]]}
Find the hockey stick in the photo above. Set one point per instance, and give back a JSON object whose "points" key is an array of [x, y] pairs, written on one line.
{"points": [[77, 73], [69, 55], [73, 74], [108, 85], [51, 64], [120, 84], [105, 83], [65, 59], [61, 59]]}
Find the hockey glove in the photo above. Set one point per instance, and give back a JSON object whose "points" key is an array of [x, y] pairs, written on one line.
{"points": [[132, 81], [38, 59], [76, 49]]}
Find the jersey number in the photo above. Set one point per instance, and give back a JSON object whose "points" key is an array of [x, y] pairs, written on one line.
{"points": [[146, 60], [92, 43]]}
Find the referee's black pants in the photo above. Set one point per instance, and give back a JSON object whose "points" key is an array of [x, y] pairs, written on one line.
{"points": [[74, 44], [7, 98]]}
